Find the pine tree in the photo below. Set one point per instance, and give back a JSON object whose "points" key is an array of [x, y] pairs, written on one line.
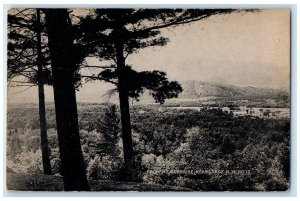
{"points": [[65, 59], [27, 59], [113, 34], [108, 126]]}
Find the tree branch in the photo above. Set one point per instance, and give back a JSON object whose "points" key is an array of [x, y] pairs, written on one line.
{"points": [[103, 67], [184, 20], [99, 78], [24, 89], [20, 82]]}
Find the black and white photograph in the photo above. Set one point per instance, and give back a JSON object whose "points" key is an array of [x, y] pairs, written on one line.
{"points": [[148, 99]]}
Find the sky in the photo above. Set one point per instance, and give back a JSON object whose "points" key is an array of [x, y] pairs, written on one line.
{"points": [[242, 49]]}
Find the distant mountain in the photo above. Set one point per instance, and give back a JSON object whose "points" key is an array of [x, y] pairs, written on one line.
{"points": [[199, 89]]}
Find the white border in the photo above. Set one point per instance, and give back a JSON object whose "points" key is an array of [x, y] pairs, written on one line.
{"points": [[156, 3]]}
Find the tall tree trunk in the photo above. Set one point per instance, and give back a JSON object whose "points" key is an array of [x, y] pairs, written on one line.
{"points": [[124, 108], [60, 46], [42, 111]]}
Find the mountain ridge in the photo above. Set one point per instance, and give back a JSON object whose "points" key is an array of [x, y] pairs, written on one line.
{"points": [[199, 89]]}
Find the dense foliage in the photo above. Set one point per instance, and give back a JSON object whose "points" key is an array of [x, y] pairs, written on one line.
{"points": [[202, 150]]}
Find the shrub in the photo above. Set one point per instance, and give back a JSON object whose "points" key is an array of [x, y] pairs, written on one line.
{"points": [[27, 162], [103, 168]]}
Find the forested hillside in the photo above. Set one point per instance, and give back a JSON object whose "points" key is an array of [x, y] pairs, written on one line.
{"points": [[174, 148], [198, 89]]}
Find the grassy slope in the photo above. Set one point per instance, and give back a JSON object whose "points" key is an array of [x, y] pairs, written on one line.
{"points": [[39, 182]]}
